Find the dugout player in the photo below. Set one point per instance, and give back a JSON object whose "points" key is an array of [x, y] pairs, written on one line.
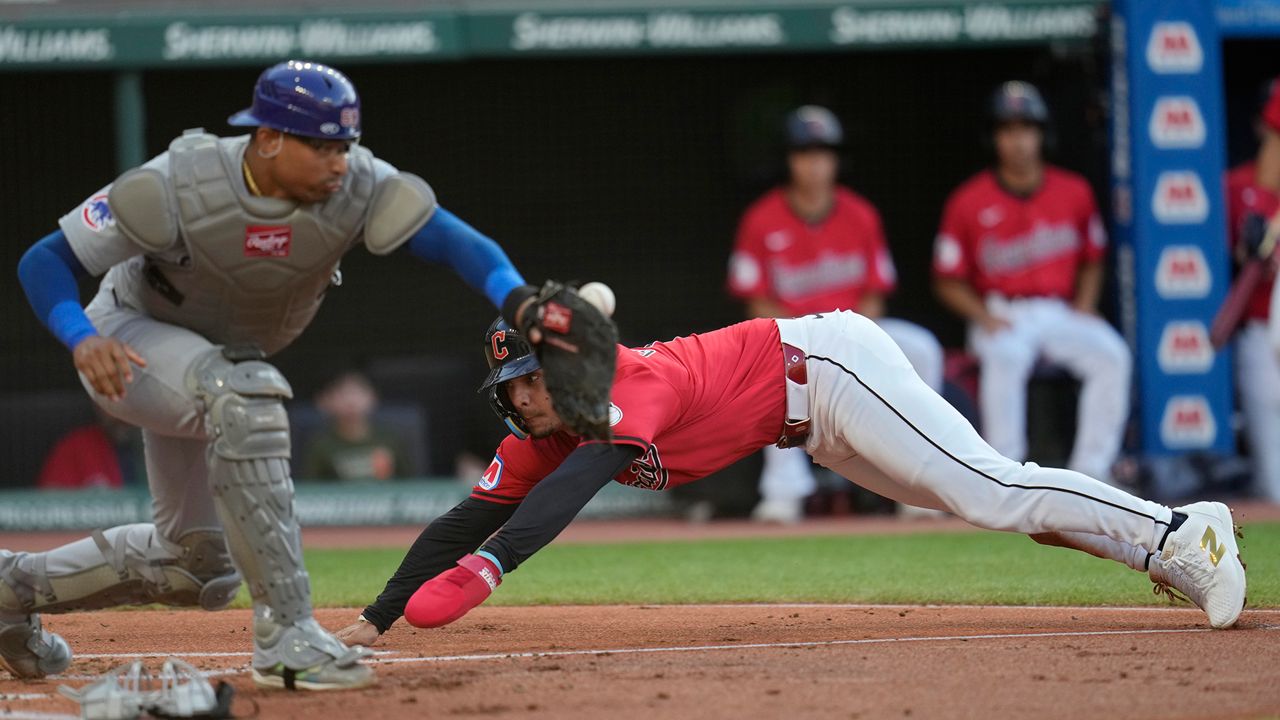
{"points": [[809, 246], [832, 383], [217, 254], [1019, 256], [1249, 203]]}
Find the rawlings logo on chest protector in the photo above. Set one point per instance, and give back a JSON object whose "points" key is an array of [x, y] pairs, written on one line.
{"points": [[267, 240]]}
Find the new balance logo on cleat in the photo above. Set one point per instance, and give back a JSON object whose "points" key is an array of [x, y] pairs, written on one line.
{"points": [[1209, 542]]}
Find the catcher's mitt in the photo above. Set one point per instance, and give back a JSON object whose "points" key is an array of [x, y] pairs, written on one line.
{"points": [[578, 355]]}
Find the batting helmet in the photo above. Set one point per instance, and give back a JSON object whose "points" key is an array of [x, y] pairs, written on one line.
{"points": [[509, 356], [812, 126], [1017, 100], [304, 98]]}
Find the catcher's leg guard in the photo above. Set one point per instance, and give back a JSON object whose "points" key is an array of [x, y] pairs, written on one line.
{"points": [[249, 476], [126, 565], [252, 490]]}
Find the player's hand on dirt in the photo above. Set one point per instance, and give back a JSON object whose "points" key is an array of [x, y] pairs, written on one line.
{"points": [[994, 324], [105, 363], [359, 633]]}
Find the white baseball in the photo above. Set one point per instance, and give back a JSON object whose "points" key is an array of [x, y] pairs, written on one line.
{"points": [[600, 295]]}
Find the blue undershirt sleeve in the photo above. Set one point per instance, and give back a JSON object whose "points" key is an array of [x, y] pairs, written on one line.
{"points": [[447, 240], [48, 272]]}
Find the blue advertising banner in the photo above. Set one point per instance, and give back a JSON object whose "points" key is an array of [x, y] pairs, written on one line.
{"points": [[1167, 164]]}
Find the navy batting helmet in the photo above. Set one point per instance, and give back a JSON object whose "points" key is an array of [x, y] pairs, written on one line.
{"points": [[1017, 100], [304, 98], [509, 356], [813, 126]]}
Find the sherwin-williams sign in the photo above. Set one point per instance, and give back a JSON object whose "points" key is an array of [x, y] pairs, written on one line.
{"points": [[149, 41]]}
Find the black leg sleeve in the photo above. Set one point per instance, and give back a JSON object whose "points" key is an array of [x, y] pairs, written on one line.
{"points": [[438, 548], [556, 500]]}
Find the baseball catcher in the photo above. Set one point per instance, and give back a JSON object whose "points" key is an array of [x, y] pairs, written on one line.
{"points": [[216, 255]]}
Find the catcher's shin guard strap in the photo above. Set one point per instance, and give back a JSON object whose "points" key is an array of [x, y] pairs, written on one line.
{"points": [[126, 565]]}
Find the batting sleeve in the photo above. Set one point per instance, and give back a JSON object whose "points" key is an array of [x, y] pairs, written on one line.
{"points": [[438, 548], [48, 272], [748, 265], [1091, 228], [447, 240], [952, 257], [555, 502]]}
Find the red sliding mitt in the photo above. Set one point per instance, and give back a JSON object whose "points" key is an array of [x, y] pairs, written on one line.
{"points": [[451, 594]]}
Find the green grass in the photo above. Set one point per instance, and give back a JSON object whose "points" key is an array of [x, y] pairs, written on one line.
{"points": [[968, 567]]}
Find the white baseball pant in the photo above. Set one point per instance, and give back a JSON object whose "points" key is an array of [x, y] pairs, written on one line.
{"points": [[787, 475], [875, 422], [1088, 347], [1258, 377]]}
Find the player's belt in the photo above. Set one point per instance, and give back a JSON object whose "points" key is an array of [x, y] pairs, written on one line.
{"points": [[795, 429]]}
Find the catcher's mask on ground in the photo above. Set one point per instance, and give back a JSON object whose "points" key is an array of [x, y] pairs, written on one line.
{"points": [[509, 356]]}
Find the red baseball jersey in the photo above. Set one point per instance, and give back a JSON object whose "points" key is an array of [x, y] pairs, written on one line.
{"points": [[1271, 113], [810, 268], [1240, 183], [693, 405], [1020, 246]]}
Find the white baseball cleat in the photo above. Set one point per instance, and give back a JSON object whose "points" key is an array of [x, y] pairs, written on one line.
{"points": [[1201, 560]]}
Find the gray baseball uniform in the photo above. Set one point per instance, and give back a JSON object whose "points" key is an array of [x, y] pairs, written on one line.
{"points": [[196, 266]]}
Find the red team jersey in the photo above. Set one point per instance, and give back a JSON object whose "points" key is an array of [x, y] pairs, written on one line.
{"points": [[1240, 182], [1271, 113], [810, 268], [1020, 246], [692, 405]]}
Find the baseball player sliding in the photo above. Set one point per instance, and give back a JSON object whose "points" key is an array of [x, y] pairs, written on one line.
{"points": [[1019, 255], [832, 383], [217, 254], [812, 246]]}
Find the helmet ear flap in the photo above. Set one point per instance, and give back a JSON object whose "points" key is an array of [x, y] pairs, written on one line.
{"points": [[509, 416]]}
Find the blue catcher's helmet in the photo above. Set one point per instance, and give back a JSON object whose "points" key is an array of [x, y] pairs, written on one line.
{"points": [[304, 98], [509, 356]]}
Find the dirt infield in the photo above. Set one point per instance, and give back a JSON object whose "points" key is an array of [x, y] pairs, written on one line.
{"points": [[762, 661]]}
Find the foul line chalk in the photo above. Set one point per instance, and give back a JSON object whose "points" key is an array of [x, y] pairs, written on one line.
{"points": [[780, 645]]}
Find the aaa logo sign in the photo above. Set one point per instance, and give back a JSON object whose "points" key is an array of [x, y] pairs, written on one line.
{"points": [[1188, 422], [1185, 348], [1180, 198], [1182, 273], [1177, 124], [1174, 48]]}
